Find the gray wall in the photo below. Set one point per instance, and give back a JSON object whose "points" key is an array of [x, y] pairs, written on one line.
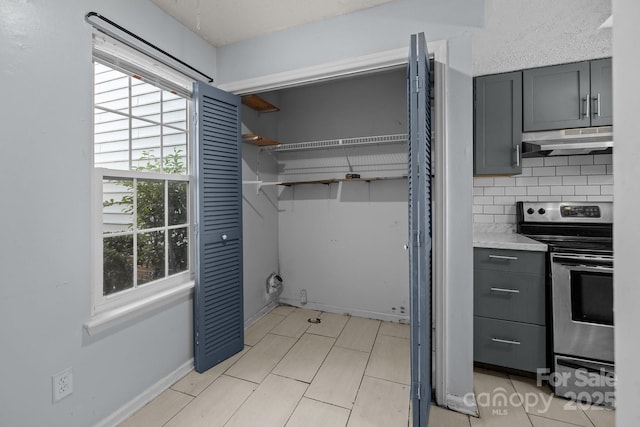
{"points": [[352, 107], [626, 159], [372, 30], [343, 243], [45, 256], [522, 34], [260, 216]]}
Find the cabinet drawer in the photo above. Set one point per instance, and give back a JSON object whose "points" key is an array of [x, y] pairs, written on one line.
{"points": [[509, 344], [509, 260], [509, 296]]}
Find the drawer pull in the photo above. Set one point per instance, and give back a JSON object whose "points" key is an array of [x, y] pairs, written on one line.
{"points": [[507, 291], [505, 341], [510, 258]]}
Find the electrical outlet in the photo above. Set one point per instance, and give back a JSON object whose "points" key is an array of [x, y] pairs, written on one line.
{"points": [[62, 384]]}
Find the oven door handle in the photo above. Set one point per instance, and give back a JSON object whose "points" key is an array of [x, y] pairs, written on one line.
{"points": [[589, 369], [605, 264]]}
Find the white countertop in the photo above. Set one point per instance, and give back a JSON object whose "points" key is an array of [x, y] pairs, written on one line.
{"points": [[507, 240]]}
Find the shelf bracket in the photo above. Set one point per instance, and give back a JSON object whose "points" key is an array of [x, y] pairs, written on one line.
{"points": [[346, 155], [260, 184]]}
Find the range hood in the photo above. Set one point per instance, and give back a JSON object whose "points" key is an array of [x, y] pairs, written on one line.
{"points": [[568, 142]]}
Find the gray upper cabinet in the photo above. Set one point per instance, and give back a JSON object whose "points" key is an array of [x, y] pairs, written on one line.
{"points": [[498, 124], [567, 96], [556, 97], [601, 93]]}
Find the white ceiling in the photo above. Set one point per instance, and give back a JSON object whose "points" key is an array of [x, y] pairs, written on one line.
{"points": [[222, 22]]}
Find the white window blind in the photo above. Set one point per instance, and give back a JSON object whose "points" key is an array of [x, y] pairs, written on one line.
{"points": [[128, 60]]}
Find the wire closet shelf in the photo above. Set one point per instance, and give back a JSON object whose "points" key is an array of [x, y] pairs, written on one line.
{"points": [[339, 143]]}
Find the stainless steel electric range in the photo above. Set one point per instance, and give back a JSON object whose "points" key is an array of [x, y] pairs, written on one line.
{"points": [[580, 240]]}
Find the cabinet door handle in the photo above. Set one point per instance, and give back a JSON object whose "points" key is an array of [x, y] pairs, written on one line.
{"points": [[501, 341], [507, 291], [587, 105], [597, 112], [518, 154], [504, 257]]}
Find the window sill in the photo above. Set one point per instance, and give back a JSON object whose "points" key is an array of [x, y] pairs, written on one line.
{"points": [[108, 319]]}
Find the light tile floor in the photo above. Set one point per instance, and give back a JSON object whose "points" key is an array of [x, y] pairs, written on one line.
{"points": [[344, 372]]}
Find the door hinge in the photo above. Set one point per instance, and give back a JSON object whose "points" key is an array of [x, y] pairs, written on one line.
{"points": [[418, 238], [196, 229], [197, 338], [195, 118], [416, 392], [419, 83]]}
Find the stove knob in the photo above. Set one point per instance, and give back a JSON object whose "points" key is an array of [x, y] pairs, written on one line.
{"points": [[541, 211], [530, 211]]}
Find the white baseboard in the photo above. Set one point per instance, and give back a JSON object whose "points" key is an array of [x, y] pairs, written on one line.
{"points": [[146, 396], [465, 404], [347, 310], [154, 391]]}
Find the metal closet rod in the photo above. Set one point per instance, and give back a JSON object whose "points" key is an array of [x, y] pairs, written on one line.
{"points": [[140, 39]]}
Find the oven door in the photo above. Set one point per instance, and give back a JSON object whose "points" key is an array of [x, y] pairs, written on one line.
{"points": [[582, 289]]}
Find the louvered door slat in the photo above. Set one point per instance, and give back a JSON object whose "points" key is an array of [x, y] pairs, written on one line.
{"points": [[218, 316]]}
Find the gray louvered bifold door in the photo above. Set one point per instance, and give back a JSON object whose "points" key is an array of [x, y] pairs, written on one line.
{"points": [[419, 180], [218, 317]]}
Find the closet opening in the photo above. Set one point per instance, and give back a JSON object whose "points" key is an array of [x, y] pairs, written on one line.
{"points": [[326, 196]]}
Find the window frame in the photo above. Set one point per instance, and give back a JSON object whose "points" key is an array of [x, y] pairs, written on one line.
{"points": [[135, 297]]}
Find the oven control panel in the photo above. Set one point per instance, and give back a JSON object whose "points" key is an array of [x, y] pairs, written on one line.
{"points": [[580, 211], [559, 212]]}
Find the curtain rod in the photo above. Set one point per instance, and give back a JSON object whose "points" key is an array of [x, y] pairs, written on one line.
{"points": [[90, 15]]}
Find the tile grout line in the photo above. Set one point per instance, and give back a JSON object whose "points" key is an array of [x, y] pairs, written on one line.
{"points": [[562, 421], [577, 404], [520, 399], [335, 340], [269, 331], [323, 360], [181, 409], [364, 373], [243, 402], [283, 356]]}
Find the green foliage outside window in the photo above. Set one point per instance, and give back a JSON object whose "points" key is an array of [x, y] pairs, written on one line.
{"points": [[118, 256]]}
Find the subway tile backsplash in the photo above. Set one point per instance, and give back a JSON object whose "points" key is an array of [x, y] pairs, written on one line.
{"points": [[562, 178]]}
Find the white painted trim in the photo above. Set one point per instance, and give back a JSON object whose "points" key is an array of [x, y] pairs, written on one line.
{"points": [[386, 59], [330, 70], [264, 310], [130, 408], [346, 310], [465, 405], [108, 319], [440, 298]]}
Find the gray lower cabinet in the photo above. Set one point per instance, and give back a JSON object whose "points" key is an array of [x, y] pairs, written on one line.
{"points": [[567, 96], [498, 124], [510, 344], [509, 295], [510, 308]]}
